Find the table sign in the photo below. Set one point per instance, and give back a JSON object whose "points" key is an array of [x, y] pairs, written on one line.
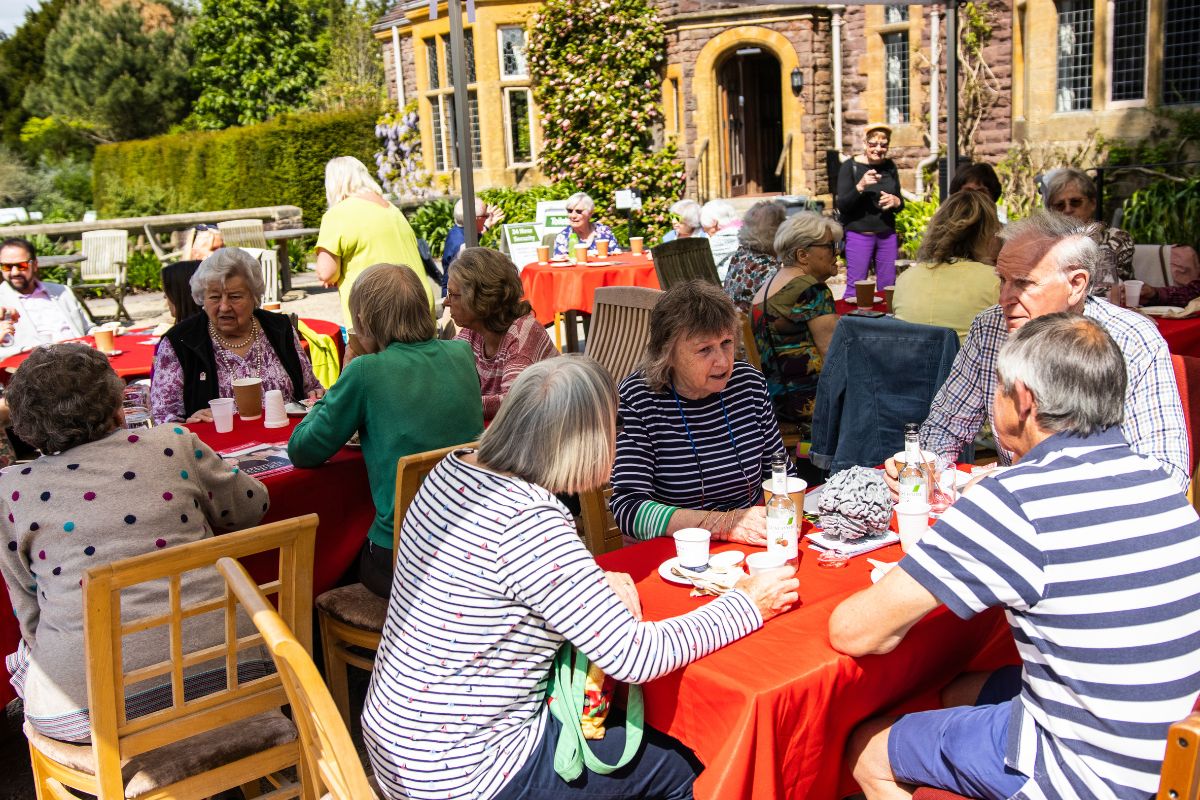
{"points": [[628, 199], [523, 239], [552, 215]]}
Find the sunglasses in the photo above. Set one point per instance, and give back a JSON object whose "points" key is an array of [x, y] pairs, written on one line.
{"points": [[834, 247], [207, 227], [21, 265], [576, 210], [1069, 202]]}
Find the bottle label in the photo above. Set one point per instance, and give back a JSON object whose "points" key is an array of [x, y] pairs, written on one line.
{"points": [[781, 534]]}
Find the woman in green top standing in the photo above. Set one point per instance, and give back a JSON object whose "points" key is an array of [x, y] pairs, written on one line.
{"points": [[361, 228], [793, 314], [409, 392]]}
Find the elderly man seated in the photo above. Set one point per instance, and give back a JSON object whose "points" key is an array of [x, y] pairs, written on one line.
{"points": [[1092, 550], [44, 312], [1044, 267]]}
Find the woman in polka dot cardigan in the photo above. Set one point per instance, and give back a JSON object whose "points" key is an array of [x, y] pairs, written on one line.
{"points": [[101, 493]]}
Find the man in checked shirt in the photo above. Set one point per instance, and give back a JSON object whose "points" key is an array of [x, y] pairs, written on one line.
{"points": [[1044, 267]]}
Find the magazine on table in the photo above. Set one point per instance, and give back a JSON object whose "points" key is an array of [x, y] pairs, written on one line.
{"points": [[259, 459]]}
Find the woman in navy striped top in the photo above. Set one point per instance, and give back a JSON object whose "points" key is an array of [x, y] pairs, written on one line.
{"points": [[698, 430], [492, 579]]}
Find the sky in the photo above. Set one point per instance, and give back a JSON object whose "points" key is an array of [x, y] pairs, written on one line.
{"points": [[12, 13]]}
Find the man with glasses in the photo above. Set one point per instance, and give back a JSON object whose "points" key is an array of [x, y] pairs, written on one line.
{"points": [[44, 312]]}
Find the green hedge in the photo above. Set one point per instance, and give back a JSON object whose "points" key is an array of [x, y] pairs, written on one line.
{"points": [[281, 162]]}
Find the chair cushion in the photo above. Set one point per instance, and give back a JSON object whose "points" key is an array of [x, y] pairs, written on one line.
{"points": [[178, 760], [354, 605]]}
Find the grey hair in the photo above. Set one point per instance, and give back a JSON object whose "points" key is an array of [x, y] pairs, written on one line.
{"points": [[759, 226], [717, 212], [688, 212], [346, 175], [226, 263], [1073, 368], [556, 427], [691, 308], [800, 232], [64, 395], [1066, 177], [581, 198], [458, 210], [1073, 245]]}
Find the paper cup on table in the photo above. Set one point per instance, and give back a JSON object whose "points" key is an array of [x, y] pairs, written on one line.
{"points": [[247, 395], [635, 245], [763, 562], [276, 414], [581, 254], [889, 292], [691, 545], [795, 489], [912, 520], [104, 339], [602, 248], [543, 254], [864, 293], [1133, 293], [271, 306], [930, 461], [222, 411]]}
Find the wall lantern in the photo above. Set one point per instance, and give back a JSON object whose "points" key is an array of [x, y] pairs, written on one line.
{"points": [[797, 81]]}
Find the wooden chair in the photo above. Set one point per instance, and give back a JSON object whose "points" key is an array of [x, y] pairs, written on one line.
{"points": [[330, 760], [248, 234], [600, 532], [352, 616], [104, 268], [1187, 379], [197, 746], [684, 260], [621, 327], [788, 431]]}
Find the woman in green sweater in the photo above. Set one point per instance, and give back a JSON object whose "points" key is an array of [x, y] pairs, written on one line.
{"points": [[410, 393]]}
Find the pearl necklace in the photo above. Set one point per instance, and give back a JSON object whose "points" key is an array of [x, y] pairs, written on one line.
{"points": [[227, 345]]}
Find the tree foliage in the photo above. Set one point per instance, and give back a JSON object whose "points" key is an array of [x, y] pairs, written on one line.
{"points": [[256, 58], [596, 70], [114, 71], [354, 75], [21, 59]]}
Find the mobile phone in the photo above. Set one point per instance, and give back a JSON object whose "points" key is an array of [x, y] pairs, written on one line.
{"points": [[866, 312]]}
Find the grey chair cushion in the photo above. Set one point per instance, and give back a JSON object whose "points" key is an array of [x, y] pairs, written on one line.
{"points": [[354, 605]]}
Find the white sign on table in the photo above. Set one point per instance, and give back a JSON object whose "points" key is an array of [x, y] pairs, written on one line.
{"points": [[552, 215], [523, 239]]}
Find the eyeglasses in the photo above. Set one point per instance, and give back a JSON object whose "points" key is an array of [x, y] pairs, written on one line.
{"points": [[1068, 202], [834, 247], [453, 295], [577, 211], [21, 265], [878, 145], [207, 227]]}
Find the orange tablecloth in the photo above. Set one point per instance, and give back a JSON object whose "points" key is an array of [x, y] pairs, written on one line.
{"points": [[1182, 335], [552, 288], [770, 714]]}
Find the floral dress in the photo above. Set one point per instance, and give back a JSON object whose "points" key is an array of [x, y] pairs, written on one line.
{"points": [[748, 270], [790, 358]]}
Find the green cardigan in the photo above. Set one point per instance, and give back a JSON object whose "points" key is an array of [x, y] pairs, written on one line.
{"points": [[406, 399]]}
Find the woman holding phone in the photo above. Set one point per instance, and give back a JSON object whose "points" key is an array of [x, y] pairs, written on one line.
{"points": [[869, 199]]}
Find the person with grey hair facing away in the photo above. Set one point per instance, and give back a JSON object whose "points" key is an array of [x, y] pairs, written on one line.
{"points": [[1072, 193], [756, 258], [1092, 550], [99, 494], [721, 222], [1045, 266], [199, 358], [581, 230], [492, 580], [685, 221], [486, 218]]}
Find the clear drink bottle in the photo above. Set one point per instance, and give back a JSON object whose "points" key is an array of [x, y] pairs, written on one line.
{"points": [[781, 513], [914, 483]]}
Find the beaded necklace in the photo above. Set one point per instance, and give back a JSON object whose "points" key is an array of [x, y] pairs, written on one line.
{"points": [[226, 345]]}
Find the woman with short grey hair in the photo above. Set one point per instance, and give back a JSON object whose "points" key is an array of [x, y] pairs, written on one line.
{"points": [[685, 221], [487, 531], [755, 257], [720, 221], [793, 315], [1072, 193], [581, 230], [199, 358], [698, 431]]}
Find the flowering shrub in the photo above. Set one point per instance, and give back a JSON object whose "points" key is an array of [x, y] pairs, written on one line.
{"points": [[400, 169], [596, 77]]}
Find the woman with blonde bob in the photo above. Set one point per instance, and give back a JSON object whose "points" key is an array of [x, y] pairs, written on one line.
{"points": [[492, 580], [409, 392], [361, 228]]}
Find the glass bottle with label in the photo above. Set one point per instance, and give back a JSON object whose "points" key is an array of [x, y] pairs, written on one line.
{"points": [[914, 483], [781, 513]]}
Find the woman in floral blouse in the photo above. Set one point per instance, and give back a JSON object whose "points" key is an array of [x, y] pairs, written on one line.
{"points": [[754, 259]]}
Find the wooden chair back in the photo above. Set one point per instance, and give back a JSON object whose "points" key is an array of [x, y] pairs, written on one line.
{"points": [[1181, 764], [115, 737], [330, 761], [620, 327], [107, 253], [1187, 380], [684, 260], [600, 532], [268, 262], [410, 474], [243, 233], [1152, 264], [749, 345]]}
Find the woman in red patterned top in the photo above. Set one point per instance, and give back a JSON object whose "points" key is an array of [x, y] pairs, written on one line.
{"points": [[484, 296]]}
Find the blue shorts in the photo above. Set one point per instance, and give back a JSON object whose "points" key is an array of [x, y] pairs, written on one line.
{"points": [[961, 749]]}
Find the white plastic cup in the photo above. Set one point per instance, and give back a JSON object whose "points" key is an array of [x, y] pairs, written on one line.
{"points": [[276, 414], [222, 411], [1133, 293], [764, 562], [691, 545], [913, 520]]}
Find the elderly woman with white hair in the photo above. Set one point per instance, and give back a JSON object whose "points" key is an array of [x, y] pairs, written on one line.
{"points": [[360, 228], [721, 222], [457, 703], [581, 230], [1072, 193], [685, 221], [199, 358], [755, 257]]}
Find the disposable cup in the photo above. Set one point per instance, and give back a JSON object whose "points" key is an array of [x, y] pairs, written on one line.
{"points": [[271, 306], [104, 339], [864, 293], [889, 292], [635, 245], [912, 519], [581, 254], [543, 254], [276, 414], [762, 562], [930, 461], [222, 411], [691, 545], [795, 489], [247, 394], [1133, 293], [602, 248]]}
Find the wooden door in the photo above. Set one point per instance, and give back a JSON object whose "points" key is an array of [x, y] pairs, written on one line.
{"points": [[733, 126]]}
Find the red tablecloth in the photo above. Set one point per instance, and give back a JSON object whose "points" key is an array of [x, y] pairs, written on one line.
{"points": [[338, 492], [1182, 335], [842, 307], [770, 714], [552, 288]]}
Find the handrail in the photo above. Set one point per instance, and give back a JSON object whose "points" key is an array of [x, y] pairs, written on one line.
{"points": [[783, 155], [702, 169]]}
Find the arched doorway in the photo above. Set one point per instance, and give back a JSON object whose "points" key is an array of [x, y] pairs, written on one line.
{"points": [[751, 119]]}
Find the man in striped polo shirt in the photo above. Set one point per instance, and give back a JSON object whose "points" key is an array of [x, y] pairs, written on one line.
{"points": [[1093, 551]]}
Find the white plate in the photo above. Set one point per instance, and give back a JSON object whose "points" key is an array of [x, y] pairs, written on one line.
{"points": [[878, 572], [729, 558], [295, 409], [1158, 311]]}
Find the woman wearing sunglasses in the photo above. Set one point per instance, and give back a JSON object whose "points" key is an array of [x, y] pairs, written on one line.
{"points": [[581, 229], [1072, 193]]}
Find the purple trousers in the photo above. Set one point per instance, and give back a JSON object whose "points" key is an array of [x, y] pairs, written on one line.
{"points": [[860, 249]]}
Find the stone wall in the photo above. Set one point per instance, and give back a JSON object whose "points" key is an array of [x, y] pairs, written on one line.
{"points": [[406, 65]]}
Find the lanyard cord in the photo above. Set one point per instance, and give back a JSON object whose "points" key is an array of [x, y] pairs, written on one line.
{"points": [[696, 453]]}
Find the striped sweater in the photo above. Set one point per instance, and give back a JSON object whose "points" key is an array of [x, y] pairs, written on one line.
{"points": [[491, 579]]}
